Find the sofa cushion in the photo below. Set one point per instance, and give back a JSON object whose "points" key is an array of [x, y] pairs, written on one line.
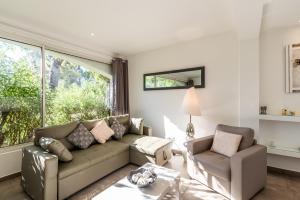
{"points": [[123, 119], [131, 138], [149, 145], [214, 163], [118, 129], [246, 133], [57, 148], [136, 126], [83, 159], [58, 132], [90, 124], [102, 132], [81, 137]]}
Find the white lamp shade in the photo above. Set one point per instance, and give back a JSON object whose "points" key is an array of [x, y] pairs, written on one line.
{"points": [[191, 103]]}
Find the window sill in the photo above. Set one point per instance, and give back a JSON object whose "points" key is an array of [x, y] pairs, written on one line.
{"points": [[14, 147]]}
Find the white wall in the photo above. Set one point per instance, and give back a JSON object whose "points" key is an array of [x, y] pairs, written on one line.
{"points": [[249, 83], [11, 159], [272, 94], [219, 99]]}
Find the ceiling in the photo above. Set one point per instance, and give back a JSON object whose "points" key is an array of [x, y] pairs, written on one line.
{"points": [[129, 27]]}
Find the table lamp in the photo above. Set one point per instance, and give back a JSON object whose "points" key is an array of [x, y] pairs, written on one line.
{"points": [[191, 106]]}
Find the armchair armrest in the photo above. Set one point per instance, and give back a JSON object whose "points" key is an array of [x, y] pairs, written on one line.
{"points": [[39, 173], [199, 145], [248, 172], [147, 131]]}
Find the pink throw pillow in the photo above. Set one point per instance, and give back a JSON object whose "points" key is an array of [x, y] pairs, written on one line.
{"points": [[102, 132]]}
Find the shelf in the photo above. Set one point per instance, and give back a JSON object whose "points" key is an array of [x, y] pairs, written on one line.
{"points": [[284, 151], [280, 118]]}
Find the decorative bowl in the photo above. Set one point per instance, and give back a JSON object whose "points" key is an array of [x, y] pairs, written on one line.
{"points": [[142, 177]]}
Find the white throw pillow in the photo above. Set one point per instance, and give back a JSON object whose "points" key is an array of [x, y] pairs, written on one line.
{"points": [[102, 132], [226, 143]]}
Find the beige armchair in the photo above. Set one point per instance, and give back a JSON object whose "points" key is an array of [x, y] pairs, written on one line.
{"points": [[238, 177]]}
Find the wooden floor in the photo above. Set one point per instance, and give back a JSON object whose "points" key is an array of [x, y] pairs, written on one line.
{"points": [[279, 186]]}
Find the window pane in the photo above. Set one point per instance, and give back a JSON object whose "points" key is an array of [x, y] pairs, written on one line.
{"points": [[20, 99], [76, 89]]}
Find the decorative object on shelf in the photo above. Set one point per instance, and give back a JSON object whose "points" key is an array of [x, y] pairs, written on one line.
{"points": [[263, 110], [191, 106], [142, 177], [284, 111], [292, 68], [175, 79], [291, 113]]}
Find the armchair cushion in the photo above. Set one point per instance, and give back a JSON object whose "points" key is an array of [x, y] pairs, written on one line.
{"points": [[226, 143], [214, 163], [246, 133]]}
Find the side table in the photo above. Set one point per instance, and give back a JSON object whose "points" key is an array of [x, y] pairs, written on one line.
{"points": [[183, 151]]}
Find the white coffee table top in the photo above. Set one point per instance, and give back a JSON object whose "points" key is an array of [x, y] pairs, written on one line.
{"points": [[123, 189]]}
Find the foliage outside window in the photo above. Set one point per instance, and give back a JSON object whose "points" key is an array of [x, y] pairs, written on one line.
{"points": [[75, 89], [157, 81]]}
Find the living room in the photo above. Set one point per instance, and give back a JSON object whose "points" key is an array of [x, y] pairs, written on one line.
{"points": [[150, 99]]}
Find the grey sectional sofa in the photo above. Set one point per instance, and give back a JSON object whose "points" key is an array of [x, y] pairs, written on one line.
{"points": [[46, 178]]}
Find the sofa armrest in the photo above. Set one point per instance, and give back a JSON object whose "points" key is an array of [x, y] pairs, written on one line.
{"points": [[147, 131], [199, 145], [248, 172], [39, 173]]}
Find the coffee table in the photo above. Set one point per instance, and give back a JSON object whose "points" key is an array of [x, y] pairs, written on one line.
{"points": [[167, 182]]}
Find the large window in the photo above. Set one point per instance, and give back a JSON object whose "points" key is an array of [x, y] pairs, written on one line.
{"points": [[74, 89]]}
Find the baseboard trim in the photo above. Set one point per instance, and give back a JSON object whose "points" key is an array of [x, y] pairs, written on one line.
{"points": [[10, 176], [283, 171]]}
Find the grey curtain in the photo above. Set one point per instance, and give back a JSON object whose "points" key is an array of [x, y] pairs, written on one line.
{"points": [[120, 93]]}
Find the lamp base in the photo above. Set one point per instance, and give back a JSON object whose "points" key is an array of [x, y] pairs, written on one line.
{"points": [[190, 131]]}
